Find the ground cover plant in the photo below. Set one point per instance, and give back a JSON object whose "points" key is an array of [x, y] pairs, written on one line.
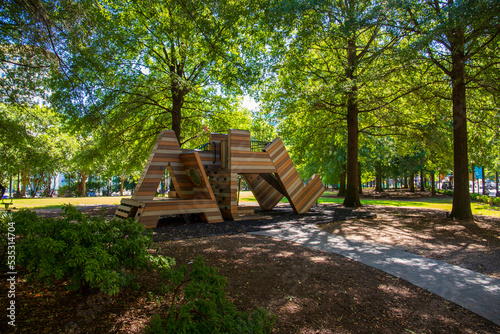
{"points": [[88, 252], [204, 307], [92, 256]]}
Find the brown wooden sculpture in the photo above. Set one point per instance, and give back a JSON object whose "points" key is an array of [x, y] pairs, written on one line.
{"points": [[206, 181]]}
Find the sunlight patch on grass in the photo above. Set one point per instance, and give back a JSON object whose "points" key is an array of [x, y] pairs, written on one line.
{"points": [[431, 203], [485, 210], [58, 202], [247, 196], [427, 203]]}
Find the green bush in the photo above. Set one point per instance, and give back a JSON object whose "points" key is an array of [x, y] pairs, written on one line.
{"points": [[445, 192], [5, 219], [475, 196], [71, 191], [486, 199], [200, 305], [496, 200], [89, 252]]}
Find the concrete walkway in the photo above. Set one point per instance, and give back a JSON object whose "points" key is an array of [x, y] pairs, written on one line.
{"points": [[476, 292]]}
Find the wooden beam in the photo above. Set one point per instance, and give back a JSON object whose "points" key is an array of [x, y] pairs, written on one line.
{"points": [[269, 178]]}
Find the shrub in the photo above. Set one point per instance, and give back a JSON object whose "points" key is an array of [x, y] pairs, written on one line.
{"points": [[5, 219], [445, 192], [200, 305], [474, 196], [87, 251], [496, 200], [486, 199]]}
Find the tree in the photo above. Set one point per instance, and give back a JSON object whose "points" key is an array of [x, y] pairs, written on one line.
{"points": [[337, 68], [144, 66], [452, 35], [32, 143]]}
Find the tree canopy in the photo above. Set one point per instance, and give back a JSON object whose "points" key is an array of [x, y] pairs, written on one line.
{"points": [[357, 89]]}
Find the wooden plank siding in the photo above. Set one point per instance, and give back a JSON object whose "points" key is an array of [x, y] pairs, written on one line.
{"points": [[167, 154], [204, 190], [251, 162], [225, 187], [206, 181], [239, 140], [218, 147], [300, 196], [165, 149], [264, 193]]}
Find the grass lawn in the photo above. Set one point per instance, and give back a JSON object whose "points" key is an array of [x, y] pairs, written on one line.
{"points": [[58, 202], [428, 203], [247, 196]]}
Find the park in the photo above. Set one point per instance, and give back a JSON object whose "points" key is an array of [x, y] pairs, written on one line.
{"points": [[189, 166]]}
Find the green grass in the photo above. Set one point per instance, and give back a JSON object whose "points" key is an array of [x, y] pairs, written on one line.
{"points": [[426, 203], [247, 196], [58, 202]]}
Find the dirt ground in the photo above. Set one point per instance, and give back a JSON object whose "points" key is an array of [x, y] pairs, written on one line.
{"points": [[308, 291], [426, 232]]}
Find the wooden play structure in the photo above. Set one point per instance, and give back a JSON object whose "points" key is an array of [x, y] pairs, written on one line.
{"points": [[206, 181]]}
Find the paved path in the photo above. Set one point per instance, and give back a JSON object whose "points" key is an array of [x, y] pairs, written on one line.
{"points": [[476, 292]]}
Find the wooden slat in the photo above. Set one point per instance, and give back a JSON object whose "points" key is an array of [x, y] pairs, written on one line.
{"points": [[266, 195], [216, 195], [121, 214], [246, 210], [301, 197]]}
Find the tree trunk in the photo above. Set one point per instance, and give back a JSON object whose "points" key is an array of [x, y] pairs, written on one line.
{"points": [[177, 102], [18, 183], [473, 179], [496, 184], [433, 184], [24, 181], [422, 181], [378, 178], [82, 186], [49, 182], [484, 183], [352, 194], [405, 182], [122, 181], [342, 182], [360, 185], [176, 121], [461, 209], [412, 182]]}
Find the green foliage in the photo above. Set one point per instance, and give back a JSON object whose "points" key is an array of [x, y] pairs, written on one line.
{"points": [[31, 141], [70, 189], [484, 198], [200, 305], [89, 252], [449, 192], [4, 238]]}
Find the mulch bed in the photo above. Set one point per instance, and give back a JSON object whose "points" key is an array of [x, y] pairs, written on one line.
{"points": [[308, 291]]}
